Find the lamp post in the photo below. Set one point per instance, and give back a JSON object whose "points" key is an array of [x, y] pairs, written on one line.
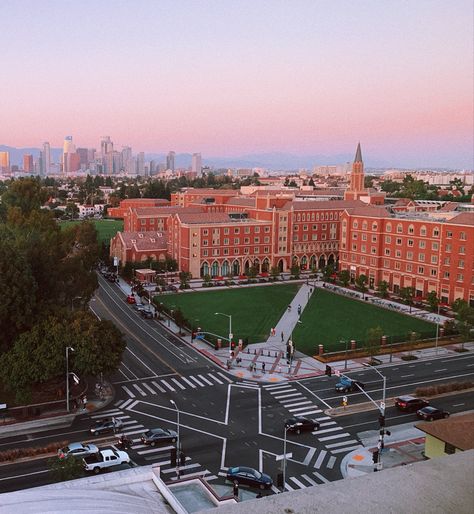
{"points": [[284, 459], [72, 302], [178, 442], [67, 375], [230, 327], [345, 359], [437, 328]]}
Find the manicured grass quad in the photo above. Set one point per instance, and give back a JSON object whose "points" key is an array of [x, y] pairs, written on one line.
{"points": [[106, 229], [327, 319], [330, 318], [255, 310]]}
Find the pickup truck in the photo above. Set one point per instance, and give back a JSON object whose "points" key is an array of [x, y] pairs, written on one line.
{"points": [[105, 459]]}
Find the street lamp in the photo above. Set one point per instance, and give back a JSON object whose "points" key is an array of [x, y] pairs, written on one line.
{"points": [[437, 328], [67, 375], [345, 359], [284, 458], [230, 327], [178, 442], [72, 302]]}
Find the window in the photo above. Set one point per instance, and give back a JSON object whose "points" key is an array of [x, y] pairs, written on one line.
{"points": [[205, 232], [257, 230], [246, 250], [305, 237], [355, 224], [226, 231], [266, 239], [255, 250], [215, 252], [374, 239], [373, 250], [388, 227], [447, 261], [266, 249], [449, 234], [246, 240], [364, 237], [398, 241], [324, 226], [448, 247], [236, 251], [421, 270], [423, 231], [446, 274], [411, 229], [460, 277], [236, 230], [354, 247], [226, 240], [387, 251], [399, 229], [205, 253], [397, 264], [388, 239], [422, 244], [354, 236], [247, 230], [314, 237], [434, 259], [433, 272], [205, 242], [462, 249], [398, 254], [410, 255], [364, 225], [436, 232], [460, 263], [410, 242], [256, 240], [462, 236], [267, 229], [386, 263], [374, 225], [363, 248], [421, 257], [409, 267], [434, 246], [305, 227]]}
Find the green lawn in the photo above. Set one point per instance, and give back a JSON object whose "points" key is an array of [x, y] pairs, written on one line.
{"points": [[106, 229], [255, 310], [327, 319], [330, 318]]}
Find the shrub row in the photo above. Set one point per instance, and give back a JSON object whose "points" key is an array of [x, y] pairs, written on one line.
{"points": [[18, 453], [443, 388]]}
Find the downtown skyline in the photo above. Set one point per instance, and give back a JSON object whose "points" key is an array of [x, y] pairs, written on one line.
{"points": [[243, 78]]}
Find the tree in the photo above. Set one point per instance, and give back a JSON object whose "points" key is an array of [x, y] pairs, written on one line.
{"points": [[373, 340], [295, 271], [407, 294], [433, 301], [66, 468], [465, 323], [72, 210], [311, 182], [274, 272], [179, 318], [382, 289], [184, 278], [368, 181], [389, 186], [361, 282], [328, 272], [344, 277], [207, 279], [252, 272], [26, 194], [292, 183], [459, 304]]}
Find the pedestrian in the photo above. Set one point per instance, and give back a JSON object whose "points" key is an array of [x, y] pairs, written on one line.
{"points": [[299, 310], [282, 337], [289, 308], [263, 367]]}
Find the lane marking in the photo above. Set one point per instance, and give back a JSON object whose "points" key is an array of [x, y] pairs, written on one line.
{"points": [[320, 459], [306, 477], [323, 479], [215, 378], [224, 377], [440, 370], [181, 386], [188, 382], [348, 449], [338, 436], [331, 462], [298, 483], [196, 380], [165, 383], [344, 443], [25, 475], [206, 380], [152, 391], [139, 389]]}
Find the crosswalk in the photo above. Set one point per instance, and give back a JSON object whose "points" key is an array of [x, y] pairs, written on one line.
{"points": [[330, 433], [159, 455], [171, 384]]}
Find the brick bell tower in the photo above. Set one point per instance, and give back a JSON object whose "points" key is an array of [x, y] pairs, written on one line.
{"points": [[356, 182]]}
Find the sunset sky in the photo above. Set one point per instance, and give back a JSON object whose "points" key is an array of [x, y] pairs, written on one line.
{"points": [[233, 77]]}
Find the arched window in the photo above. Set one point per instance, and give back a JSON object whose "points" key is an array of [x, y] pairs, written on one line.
{"points": [[225, 268], [423, 230], [215, 269], [411, 229], [204, 269], [364, 225], [388, 227]]}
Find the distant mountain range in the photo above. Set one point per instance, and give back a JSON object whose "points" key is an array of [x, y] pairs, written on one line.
{"points": [[272, 161]]}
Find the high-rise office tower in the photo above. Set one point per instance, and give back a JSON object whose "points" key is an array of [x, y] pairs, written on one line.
{"points": [[83, 156], [45, 167], [170, 160], [197, 164], [5, 162], [127, 160], [28, 163], [141, 164], [106, 146], [68, 149]]}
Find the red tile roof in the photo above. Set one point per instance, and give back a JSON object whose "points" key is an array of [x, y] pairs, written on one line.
{"points": [[163, 211], [144, 240], [299, 205], [458, 430], [463, 218]]}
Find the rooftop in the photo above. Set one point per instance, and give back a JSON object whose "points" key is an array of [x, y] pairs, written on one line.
{"points": [[458, 430]]}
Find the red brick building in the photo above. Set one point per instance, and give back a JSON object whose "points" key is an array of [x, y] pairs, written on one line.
{"points": [[139, 246], [119, 212], [144, 219]]}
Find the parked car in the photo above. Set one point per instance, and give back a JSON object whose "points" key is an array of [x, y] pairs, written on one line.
{"points": [[102, 426], [159, 435], [147, 314], [138, 306], [347, 385], [431, 413], [105, 459], [77, 450], [131, 299], [300, 424], [249, 476], [410, 403]]}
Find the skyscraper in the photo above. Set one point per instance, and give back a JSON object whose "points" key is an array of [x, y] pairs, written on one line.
{"points": [[141, 164], [45, 167], [170, 160], [4, 162], [83, 156], [197, 164], [127, 160], [68, 150], [28, 163]]}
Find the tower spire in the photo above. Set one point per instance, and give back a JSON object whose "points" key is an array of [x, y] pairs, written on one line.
{"points": [[358, 157]]}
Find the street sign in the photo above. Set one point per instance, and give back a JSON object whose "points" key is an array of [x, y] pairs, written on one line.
{"points": [[337, 373], [344, 399], [231, 336], [281, 457], [3, 406]]}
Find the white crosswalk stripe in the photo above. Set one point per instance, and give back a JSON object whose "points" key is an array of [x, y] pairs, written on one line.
{"points": [[197, 381], [159, 387], [188, 382], [152, 391], [341, 443], [297, 482], [127, 390], [323, 479], [288, 401], [224, 377], [346, 449], [311, 481], [139, 389], [215, 378], [331, 462], [288, 395], [155, 450], [338, 436], [297, 404], [205, 380], [320, 459], [285, 390], [309, 412], [327, 430], [165, 383], [178, 384]]}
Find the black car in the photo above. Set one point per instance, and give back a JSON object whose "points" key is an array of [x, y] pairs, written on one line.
{"points": [[347, 385], [103, 426], [431, 413], [159, 435], [249, 476], [300, 424], [146, 314], [410, 403]]}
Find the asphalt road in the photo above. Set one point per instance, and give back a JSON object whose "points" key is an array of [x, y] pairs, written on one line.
{"points": [[224, 422]]}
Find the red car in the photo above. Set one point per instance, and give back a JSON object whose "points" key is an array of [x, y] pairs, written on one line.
{"points": [[131, 299]]}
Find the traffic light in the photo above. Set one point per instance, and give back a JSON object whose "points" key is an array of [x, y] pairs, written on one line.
{"points": [[375, 456], [328, 370], [382, 420]]}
